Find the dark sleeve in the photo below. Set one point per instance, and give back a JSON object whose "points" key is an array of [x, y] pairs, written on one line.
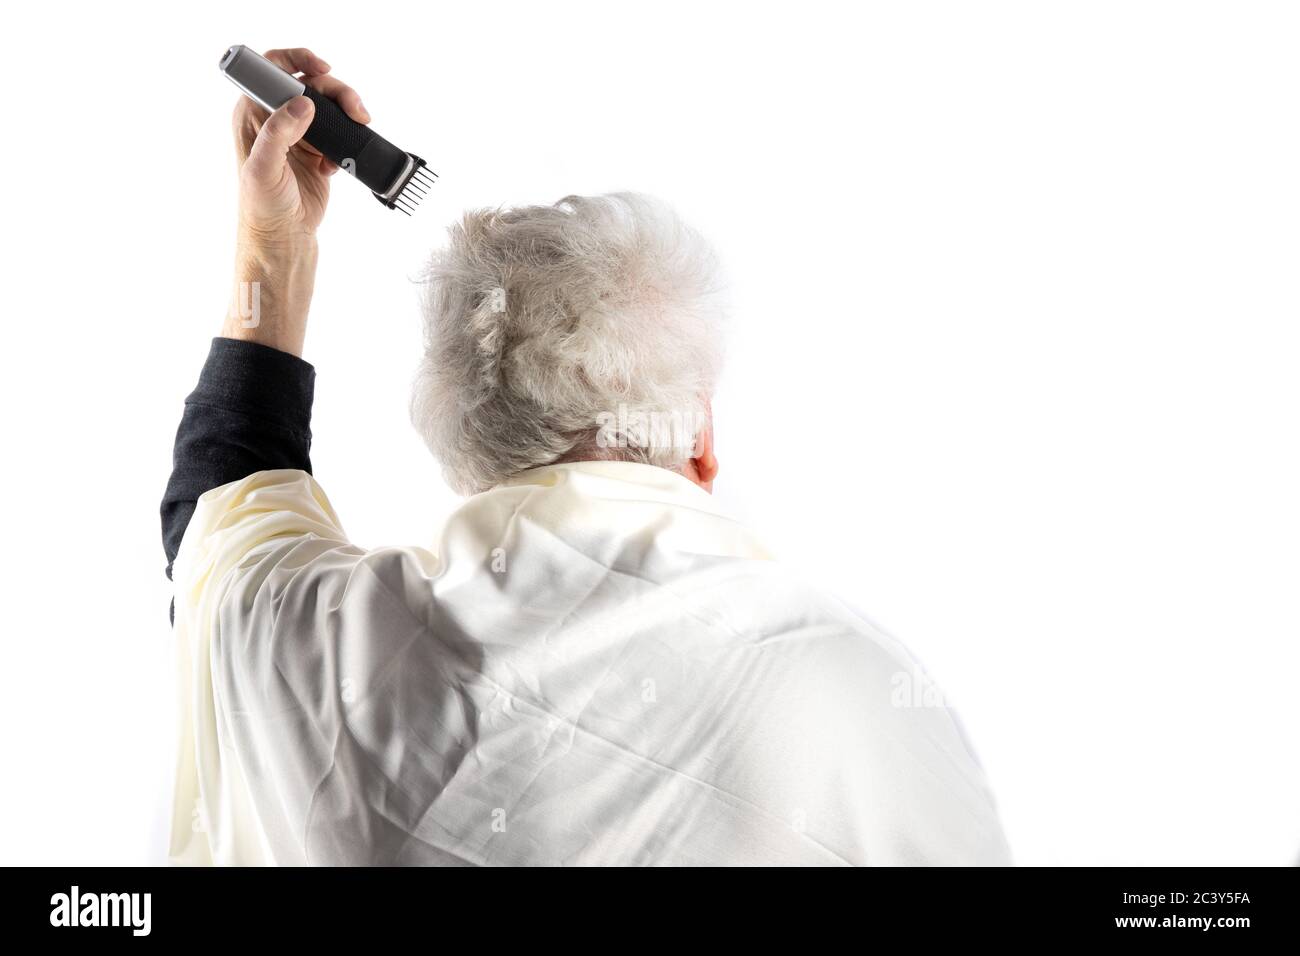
{"points": [[250, 412]]}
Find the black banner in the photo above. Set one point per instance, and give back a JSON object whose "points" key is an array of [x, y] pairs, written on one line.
{"points": [[1228, 906]]}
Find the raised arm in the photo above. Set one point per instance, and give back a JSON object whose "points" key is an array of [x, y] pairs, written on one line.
{"points": [[251, 410]]}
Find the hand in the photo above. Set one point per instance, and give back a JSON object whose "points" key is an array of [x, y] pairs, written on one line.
{"points": [[283, 192], [284, 182]]}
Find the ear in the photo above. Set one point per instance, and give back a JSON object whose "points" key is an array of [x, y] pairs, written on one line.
{"points": [[703, 466]]}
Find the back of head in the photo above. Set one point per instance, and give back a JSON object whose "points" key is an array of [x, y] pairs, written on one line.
{"points": [[584, 330]]}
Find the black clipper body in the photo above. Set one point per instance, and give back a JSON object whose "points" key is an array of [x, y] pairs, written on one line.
{"points": [[397, 178]]}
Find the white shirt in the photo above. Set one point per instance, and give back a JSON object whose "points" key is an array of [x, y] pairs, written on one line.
{"points": [[591, 665]]}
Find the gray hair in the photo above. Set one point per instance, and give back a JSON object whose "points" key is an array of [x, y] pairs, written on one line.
{"points": [[557, 332]]}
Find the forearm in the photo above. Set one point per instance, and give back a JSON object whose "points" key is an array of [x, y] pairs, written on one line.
{"points": [[271, 292]]}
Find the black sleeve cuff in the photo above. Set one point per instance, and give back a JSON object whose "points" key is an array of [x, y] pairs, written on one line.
{"points": [[250, 412], [256, 380]]}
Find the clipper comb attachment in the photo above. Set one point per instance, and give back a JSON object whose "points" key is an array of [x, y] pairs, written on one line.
{"points": [[398, 179], [413, 186]]}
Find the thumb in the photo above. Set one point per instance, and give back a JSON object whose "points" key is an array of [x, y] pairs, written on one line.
{"points": [[277, 136]]}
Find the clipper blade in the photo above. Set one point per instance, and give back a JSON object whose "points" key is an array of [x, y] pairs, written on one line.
{"points": [[412, 186]]}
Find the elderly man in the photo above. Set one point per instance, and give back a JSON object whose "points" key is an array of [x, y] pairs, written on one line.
{"points": [[591, 664]]}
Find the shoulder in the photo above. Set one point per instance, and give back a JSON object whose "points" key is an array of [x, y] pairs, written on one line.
{"points": [[849, 734]]}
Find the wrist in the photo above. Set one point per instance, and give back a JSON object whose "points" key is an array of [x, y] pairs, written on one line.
{"points": [[287, 262]]}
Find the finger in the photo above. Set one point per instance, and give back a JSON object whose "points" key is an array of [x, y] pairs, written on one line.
{"points": [[298, 60], [342, 94], [284, 127], [328, 167], [245, 121]]}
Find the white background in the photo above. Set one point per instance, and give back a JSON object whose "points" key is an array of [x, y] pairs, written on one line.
{"points": [[1014, 362]]}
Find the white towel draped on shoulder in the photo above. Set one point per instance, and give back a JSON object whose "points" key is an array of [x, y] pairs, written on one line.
{"points": [[591, 665]]}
